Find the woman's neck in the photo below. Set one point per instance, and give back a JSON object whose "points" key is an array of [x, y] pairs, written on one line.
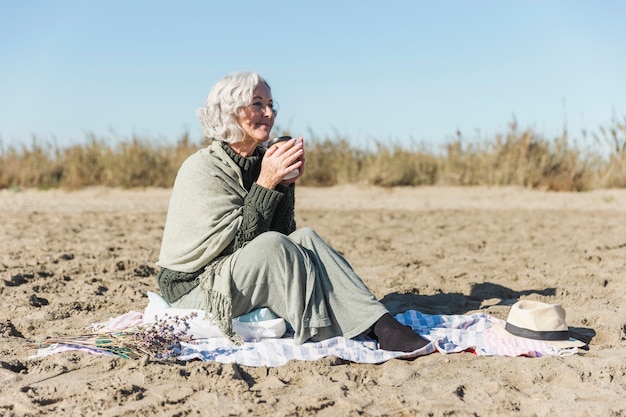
{"points": [[244, 148]]}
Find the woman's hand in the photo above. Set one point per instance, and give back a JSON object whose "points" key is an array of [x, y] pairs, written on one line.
{"points": [[299, 142], [280, 161]]}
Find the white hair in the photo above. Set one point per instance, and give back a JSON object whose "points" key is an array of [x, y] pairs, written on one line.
{"points": [[219, 114]]}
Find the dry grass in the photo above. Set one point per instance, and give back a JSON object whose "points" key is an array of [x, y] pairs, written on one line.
{"points": [[137, 163], [516, 157]]}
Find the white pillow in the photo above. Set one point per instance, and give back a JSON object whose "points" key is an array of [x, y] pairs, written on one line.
{"points": [[256, 325]]}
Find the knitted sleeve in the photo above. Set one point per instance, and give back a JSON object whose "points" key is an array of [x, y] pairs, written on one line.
{"points": [[284, 216], [258, 210]]}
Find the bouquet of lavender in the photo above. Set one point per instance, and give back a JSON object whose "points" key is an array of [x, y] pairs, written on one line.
{"points": [[161, 339]]}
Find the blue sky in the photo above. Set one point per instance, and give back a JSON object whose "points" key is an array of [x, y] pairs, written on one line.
{"points": [[401, 71]]}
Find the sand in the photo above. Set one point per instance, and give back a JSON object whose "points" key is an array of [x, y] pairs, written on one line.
{"points": [[70, 259]]}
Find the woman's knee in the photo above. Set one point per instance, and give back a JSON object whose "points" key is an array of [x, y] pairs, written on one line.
{"points": [[303, 234], [265, 256], [271, 256], [269, 243]]}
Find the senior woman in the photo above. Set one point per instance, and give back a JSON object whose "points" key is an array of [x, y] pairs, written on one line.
{"points": [[230, 243]]}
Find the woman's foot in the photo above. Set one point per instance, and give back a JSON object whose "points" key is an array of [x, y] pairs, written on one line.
{"points": [[392, 335]]}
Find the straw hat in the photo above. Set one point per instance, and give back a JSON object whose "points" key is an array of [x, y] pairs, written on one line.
{"points": [[539, 321]]}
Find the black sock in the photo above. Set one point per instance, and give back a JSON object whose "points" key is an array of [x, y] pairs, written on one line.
{"points": [[392, 335]]}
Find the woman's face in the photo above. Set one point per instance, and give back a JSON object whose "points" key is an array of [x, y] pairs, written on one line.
{"points": [[257, 119]]}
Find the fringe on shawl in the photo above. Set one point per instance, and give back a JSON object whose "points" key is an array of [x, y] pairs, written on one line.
{"points": [[219, 304]]}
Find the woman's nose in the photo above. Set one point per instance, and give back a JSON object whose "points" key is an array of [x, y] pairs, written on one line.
{"points": [[268, 111]]}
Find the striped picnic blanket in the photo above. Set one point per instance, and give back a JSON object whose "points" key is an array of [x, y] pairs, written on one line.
{"points": [[446, 333]]}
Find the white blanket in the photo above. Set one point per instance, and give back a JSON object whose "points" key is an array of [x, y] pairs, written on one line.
{"points": [[256, 325]]}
